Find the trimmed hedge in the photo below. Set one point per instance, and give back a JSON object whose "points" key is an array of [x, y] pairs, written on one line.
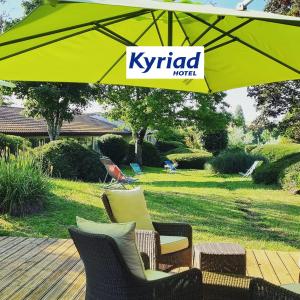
{"points": [[114, 146], [13, 143], [165, 146], [232, 162], [150, 154], [195, 160], [250, 148], [276, 152], [183, 150], [269, 173], [68, 159], [289, 178]]}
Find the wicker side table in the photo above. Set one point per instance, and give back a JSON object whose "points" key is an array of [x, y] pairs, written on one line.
{"points": [[220, 258]]}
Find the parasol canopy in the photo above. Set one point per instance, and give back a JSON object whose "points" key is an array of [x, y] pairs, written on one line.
{"points": [[85, 41]]}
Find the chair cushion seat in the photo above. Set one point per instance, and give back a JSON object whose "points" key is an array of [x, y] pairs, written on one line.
{"points": [[294, 287], [170, 244], [130, 206], [154, 275]]}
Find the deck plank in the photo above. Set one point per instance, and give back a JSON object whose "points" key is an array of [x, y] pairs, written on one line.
{"points": [[280, 269], [9, 285], [253, 269], [35, 276], [50, 269], [76, 281], [290, 264], [265, 267]]}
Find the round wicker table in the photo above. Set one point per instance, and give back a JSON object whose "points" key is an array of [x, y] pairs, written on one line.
{"points": [[220, 258]]}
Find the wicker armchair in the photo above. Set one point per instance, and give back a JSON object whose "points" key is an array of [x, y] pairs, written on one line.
{"points": [[108, 277], [149, 242], [263, 290]]}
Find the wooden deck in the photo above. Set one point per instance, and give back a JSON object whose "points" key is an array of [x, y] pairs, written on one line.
{"points": [[51, 269]]}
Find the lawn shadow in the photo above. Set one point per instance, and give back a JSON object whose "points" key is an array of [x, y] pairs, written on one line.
{"points": [[216, 215], [59, 214], [229, 185]]}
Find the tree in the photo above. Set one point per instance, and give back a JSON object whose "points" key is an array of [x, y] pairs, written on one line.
{"points": [[216, 141], [275, 100], [239, 118], [284, 7], [144, 108], [55, 102], [3, 17]]}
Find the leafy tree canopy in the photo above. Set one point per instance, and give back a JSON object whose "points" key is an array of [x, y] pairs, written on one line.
{"points": [[276, 100], [145, 108], [55, 102]]}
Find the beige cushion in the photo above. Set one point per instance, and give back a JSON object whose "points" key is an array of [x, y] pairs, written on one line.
{"points": [[154, 275], [130, 206], [124, 236], [170, 244]]}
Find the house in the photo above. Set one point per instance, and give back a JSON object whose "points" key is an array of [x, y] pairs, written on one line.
{"points": [[85, 127]]}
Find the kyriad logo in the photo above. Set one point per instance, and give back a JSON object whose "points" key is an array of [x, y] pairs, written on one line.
{"points": [[165, 62]]}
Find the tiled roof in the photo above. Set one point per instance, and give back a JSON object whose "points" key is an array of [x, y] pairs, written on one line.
{"points": [[13, 121]]}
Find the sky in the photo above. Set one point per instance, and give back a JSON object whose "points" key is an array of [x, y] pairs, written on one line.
{"points": [[234, 97]]}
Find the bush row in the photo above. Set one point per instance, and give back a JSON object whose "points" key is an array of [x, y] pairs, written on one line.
{"points": [[283, 167], [12, 143], [194, 160], [269, 173], [276, 152], [232, 162], [166, 146], [68, 159]]}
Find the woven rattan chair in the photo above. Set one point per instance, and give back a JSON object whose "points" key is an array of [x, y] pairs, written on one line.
{"points": [[263, 290], [149, 242], [109, 278]]}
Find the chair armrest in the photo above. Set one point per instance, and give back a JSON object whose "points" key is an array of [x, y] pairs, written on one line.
{"points": [[146, 260], [261, 289], [184, 285], [175, 229], [148, 241]]}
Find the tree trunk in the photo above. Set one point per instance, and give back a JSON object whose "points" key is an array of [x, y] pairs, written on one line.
{"points": [[139, 139], [53, 130]]}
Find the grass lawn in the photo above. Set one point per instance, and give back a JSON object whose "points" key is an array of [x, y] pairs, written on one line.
{"points": [[220, 208]]}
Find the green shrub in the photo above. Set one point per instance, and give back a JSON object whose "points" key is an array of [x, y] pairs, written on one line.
{"points": [[165, 146], [150, 154], [277, 151], [183, 150], [68, 159], [195, 160], [232, 162], [250, 148], [114, 146], [24, 188], [289, 178], [12, 143], [215, 142], [269, 173]]}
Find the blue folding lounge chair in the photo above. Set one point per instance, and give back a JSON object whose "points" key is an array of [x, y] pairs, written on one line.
{"points": [[136, 168], [169, 165]]}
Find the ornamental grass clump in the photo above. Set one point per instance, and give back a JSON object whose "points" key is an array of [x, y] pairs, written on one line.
{"points": [[24, 188]]}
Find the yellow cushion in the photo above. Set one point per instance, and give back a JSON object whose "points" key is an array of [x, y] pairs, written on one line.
{"points": [[170, 244], [124, 236], [130, 206], [154, 275]]}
